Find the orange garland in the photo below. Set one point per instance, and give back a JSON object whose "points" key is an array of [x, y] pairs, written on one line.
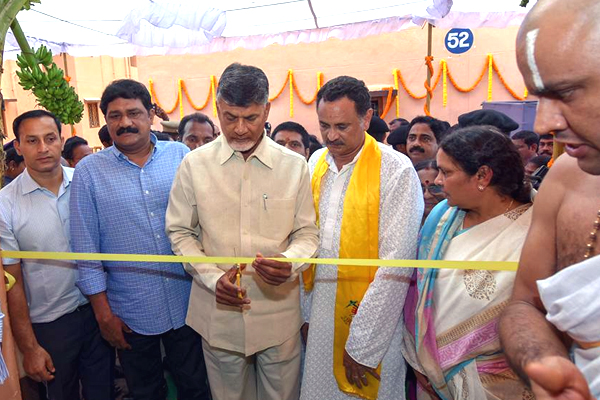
{"points": [[512, 92], [429, 89], [388, 102], [465, 90], [282, 87], [189, 99], [153, 94], [319, 84], [411, 94], [390, 98]]}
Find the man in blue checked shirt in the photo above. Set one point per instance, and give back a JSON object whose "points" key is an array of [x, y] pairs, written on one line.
{"points": [[118, 204]]}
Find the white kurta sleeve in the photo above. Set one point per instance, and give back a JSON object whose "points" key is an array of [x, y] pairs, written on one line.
{"points": [[379, 314]]}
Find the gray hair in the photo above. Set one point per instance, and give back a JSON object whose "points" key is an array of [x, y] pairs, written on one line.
{"points": [[243, 85]]}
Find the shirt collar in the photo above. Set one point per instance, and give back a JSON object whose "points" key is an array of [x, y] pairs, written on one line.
{"points": [[262, 152], [29, 185], [122, 156], [333, 166]]}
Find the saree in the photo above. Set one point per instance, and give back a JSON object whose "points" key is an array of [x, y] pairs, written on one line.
{"points": [[452, 315]]}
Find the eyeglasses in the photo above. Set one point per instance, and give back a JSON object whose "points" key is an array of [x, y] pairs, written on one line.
{"points": [[433, 189]]}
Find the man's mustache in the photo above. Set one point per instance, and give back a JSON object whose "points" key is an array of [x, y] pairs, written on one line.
{"points": [[416, 149], [127, 129], [338, 142]]}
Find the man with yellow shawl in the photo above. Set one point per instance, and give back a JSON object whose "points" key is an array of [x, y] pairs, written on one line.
{"points": [[369, 206]]}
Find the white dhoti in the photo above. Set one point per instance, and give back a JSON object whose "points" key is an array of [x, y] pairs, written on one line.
{"points": [[572, 300]]}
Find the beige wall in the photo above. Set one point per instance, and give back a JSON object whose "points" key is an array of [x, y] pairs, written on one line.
{"points": [[371, 59], [89, 76]]}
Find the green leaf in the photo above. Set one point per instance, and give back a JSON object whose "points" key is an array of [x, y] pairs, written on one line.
{"points": [[28, 4]]}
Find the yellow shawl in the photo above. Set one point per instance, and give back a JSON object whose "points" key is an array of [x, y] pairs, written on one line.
{"points": [[359, 239]]}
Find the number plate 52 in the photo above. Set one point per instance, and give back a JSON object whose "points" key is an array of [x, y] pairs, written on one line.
{"points": [[459, 41]]}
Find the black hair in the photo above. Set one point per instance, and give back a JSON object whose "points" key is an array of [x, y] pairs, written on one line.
{"points": [[438, 127], [540, 160], [70, 145], [195, 117], [33, 114], [547, 136], [243, 85], [314, 145], [378, 128], [125, 89], [162, 136], [426, 164], [476, 146], [12, 155], [401, 120], [103, 135], [294, 127], [346, 86], [528, 137]]}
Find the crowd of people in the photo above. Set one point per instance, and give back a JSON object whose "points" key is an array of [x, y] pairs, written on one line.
{"points": [[271, 329]]}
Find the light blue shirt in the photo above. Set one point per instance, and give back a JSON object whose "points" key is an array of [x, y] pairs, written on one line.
{"points": [[32, 218], [119, 207]]}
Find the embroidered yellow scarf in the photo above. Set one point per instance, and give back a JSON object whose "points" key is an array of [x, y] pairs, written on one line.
{"points": [[359, 239]]}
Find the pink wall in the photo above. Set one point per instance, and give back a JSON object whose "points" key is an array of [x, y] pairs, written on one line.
{"points": [[371, 59]]}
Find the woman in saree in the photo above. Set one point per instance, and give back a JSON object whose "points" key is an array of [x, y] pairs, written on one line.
{"points": [[451, 316]]}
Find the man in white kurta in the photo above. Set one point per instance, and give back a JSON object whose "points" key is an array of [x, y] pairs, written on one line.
{"points": [[376, 329]]}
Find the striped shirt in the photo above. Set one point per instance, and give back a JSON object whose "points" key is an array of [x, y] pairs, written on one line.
{"points": [[119, 207]]}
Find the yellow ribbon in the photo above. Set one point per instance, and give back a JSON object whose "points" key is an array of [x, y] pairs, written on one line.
{"points": [[435, 264]]}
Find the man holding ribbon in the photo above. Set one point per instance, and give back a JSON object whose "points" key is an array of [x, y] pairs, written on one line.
{"points": [[369, 206], [244, 195]]}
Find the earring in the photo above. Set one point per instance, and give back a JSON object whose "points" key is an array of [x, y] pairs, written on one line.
{"points": [[481, 188]]}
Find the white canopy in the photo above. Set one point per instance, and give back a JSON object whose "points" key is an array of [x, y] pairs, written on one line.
{"points": [[122, 28]]}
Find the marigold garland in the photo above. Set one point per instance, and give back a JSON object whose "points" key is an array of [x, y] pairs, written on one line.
{"points": [[444, 74], [469, 89], [445, 83], [395, 72], [501, 78], [314, 98], [153, 95], [388, 102], [180, 99], [291, 80], [189, 99], [213, 87], [282, 87], [490, 76]]}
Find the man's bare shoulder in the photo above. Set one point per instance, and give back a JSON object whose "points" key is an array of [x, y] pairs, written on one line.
{"points": [[565, 173], [572, 193]]}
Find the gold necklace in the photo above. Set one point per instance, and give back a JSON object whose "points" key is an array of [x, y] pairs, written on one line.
{"points": [[509, 206], [589, 248]]}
